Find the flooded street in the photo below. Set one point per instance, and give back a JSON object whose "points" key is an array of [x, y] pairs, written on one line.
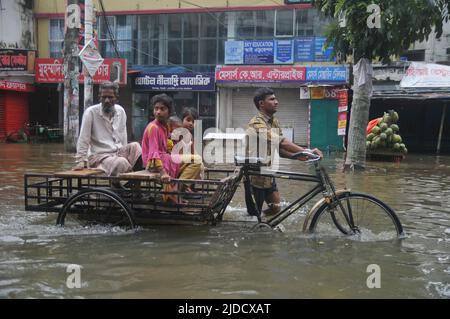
{"points": [[230, 260]]}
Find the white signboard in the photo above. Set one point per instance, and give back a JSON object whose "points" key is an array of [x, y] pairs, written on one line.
{"points": [[426, 75], [91, 58]]}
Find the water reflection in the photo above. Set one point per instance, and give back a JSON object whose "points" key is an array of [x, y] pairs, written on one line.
{"points": [[229, 261]]}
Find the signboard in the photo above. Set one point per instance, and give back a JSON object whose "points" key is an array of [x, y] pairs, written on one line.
{"points": [[91, 58], [304, 93], [304, 49], [174, 82], [342, 123], [13, 60], [343, 101], [16, 86], [426, 75], [321, 55], [234, 52], [226, 74], [284, 52], [327, 74], [259, 52], [52, 71]]}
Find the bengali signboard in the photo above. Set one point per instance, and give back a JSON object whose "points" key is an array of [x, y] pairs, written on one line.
{"points": [[52, 71], [426, 75], [284, 52], [13, 60], [16, 86], [342, 123], [226, 74], [258, 52], [304, 49], [174, 82], [331, 74], [321, 54], [234, 52]]}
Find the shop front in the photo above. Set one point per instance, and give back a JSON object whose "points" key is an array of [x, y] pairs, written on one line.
{"points": [[236, 87], [188, 89], [14, 110]]}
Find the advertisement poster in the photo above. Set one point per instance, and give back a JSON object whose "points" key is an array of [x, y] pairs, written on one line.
{"points": [[259, 52], [284, 52], [234, 52], [304, 49]]}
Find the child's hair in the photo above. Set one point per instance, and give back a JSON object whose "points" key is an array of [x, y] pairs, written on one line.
{"points": [[189, 111], [175, 120]]}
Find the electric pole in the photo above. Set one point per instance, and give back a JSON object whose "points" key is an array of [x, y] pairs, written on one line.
{"points": [[71, 75], [88, 34]]}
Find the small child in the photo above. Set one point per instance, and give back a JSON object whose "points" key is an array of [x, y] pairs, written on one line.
{"points": [[192, 167]]}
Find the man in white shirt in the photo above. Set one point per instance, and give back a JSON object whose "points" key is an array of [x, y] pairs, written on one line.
{"points": [[103, 136]]}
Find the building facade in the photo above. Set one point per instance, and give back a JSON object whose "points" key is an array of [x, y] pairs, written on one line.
{"points": [[181, 47]]}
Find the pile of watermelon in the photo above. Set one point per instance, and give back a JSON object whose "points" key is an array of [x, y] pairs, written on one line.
{"points": [[385, 136]]}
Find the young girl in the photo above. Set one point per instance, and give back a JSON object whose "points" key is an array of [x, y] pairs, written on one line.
{"points": [[156, 155], [191, 167]]}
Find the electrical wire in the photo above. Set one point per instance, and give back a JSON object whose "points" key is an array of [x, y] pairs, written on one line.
{"points": [[109, 30]]}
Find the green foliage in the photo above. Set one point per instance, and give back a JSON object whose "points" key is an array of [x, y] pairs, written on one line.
{"points": [[402, 24]]}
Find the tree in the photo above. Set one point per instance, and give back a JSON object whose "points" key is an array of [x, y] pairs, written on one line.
{"points": [[367, 30]]}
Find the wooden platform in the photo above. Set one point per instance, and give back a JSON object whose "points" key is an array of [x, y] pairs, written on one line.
{"points": [[140, 175], [80, 173]]}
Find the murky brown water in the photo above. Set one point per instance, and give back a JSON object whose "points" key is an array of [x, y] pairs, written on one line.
{"points": [[229, 261]]}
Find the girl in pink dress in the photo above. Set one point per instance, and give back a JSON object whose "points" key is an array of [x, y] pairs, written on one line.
{"points": [[156, 144]]}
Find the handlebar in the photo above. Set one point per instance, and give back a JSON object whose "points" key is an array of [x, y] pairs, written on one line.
{"points": [[308, 155]]}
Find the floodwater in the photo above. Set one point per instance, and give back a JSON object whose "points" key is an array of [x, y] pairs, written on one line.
{"points": [[230, 260]]}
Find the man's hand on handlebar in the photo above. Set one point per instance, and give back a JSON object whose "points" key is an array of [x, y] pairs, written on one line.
{"points": [[308, 155]]}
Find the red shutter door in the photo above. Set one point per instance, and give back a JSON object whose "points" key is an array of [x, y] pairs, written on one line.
{"points": [[16, 115], [2, 116]]}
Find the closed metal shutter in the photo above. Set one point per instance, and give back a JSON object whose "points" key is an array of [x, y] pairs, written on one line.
{"points": [[2, 116], [16, 111], [292, 111]]}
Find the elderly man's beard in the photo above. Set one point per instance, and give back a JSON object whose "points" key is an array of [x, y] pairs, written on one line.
{"points": [[108, 109]]}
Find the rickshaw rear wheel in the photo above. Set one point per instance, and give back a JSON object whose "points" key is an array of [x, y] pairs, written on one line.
{"points": [[91, 207]]}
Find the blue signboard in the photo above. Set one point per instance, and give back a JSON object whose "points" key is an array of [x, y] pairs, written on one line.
{"points": [[321, 55], [327, 74], [304, 49], [284, 52], [234, 52], [259, 52], [174, 82]]}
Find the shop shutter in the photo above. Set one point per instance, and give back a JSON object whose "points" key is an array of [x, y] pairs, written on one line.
{"points": [[292, 111], [16, 111], [2, 116]]}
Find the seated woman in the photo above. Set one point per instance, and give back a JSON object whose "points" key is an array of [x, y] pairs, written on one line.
{"points": [[156, 145]]}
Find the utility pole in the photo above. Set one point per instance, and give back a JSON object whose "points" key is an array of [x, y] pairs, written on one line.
{"points": [[88, 34], [71, 75]]}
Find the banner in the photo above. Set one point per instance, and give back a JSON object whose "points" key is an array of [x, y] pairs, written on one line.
{"points": [[342, 123], [343, 100], [284, 52], [174, 82], [327, 74], [52, 71], [426, 75], [260, 74], [234, 52], [16, 86], [91, 58], [13, 60], [258, 52]]}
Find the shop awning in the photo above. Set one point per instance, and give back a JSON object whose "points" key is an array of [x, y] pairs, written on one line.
{"points": [[413, 94]]}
